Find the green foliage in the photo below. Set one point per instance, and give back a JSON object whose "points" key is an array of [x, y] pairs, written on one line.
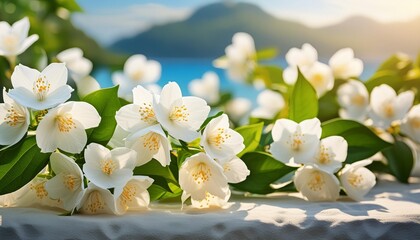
{"points": [[107, 103], [264, 171], [19, 164], [252, 135], [209, 119], [153, 168], [165, 184], [400, 160], [391, 78], [303, 102], [399, 63], [266, 54], [271, 75], [362, 142]]}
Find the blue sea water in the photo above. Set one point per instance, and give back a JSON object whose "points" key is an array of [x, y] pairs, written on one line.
{"points": [[183, 70]]}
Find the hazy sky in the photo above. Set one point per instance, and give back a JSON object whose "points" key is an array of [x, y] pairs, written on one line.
{"points": [[109, 20]]}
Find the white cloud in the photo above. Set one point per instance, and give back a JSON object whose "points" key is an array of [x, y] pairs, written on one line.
{"points": [[327, 12], [108, 25]]}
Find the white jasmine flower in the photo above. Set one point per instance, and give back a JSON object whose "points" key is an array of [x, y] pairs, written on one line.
{"points": [[211, 201], [14, 39], [234, 169], [302, 58], [14, 121], [411, 124], [40, 90], [269, 104], [87, 85], [109, 168], [357, 180], [240, 58], [206, 88], [219, 141], [79, 66], [344, 65], [237, 108], [295, 143], [387, 107], [33, 194], [332, 152], [353, 97], [67, 184], [138, 115], [180, 116], [320, 76], [149, 143], [97, 200], [118, 138], [64, 127], [316, 185], [137, 71], [200, 175], [134, 195]]}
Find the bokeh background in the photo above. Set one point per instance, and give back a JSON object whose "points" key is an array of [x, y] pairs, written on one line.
{"points": [[186, 36]]}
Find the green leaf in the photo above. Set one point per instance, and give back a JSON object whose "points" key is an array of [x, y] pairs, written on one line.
{"points": [[157, 192], [329, 105], [153, 168], [362, 142], [399, 63], [400, 160], [209, 119], [224, 98], [107, 103], [390, 78], [417, 62], [270, 75], [252, 135], [266, 54], [303, 102], [20, 164], [70, 5], [264, 171]]}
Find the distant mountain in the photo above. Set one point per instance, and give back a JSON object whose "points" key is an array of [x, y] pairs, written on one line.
{"points": [[209, 30]]}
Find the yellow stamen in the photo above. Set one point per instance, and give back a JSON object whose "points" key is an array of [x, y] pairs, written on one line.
{"points": [[108, 166], [389, 110], [316, 182], [128, 195], [151, 141], [358, 100], [219, 137], [13, 117], [414, 122], [65, 123], [71, 182], [147, 114], [40, 191], [179, 113], [324, 156], [201, 173], [94, 202], [355, 179], [41, 87], [317, 79]]}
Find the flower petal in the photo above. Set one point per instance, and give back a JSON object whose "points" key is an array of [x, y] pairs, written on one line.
{"points": [[56, 75]]}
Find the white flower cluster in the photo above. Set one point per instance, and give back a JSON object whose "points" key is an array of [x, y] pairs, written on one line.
{"points": [[240, 58], [342, 65], [299, 144], [204, 176], [385, 109], [137, 71]]}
